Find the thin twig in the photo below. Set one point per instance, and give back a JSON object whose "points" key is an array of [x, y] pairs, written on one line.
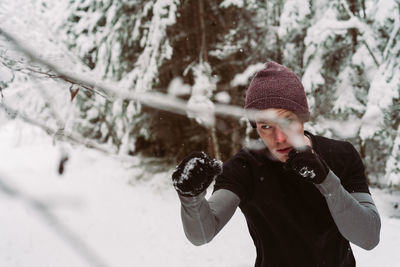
{"points": [[18, 65], [59, 135]]}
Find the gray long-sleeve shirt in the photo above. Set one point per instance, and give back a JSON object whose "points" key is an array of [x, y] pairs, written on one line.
{"points": [[355, 214]]}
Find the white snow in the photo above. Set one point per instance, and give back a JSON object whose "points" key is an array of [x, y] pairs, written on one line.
{"points": [[345, 98], [223, 97], [294, 17], [235, 3], [363, 59], [147, 64], [393, 165], [177, 87], [341, 128], [231, 46], [5, 74], [96, 212], [201, 106], [243, 78], [99, 214], [380, 98], [201, 109], [190, 165]]}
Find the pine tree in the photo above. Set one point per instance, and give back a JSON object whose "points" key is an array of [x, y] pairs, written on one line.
{"points": [[380, 122], [124, 41]]}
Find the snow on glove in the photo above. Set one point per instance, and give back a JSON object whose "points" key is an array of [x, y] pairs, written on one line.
{"points": [[305, 162], [195, 173]]}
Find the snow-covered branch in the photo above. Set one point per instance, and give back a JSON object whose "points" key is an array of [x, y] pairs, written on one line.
{"points": [[60, 134], [393, 34], [363, 29], [152, 99], [38, 72], [166, 102]]}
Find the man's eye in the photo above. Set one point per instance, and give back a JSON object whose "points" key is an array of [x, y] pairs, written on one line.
{"points": [[265, 127]]}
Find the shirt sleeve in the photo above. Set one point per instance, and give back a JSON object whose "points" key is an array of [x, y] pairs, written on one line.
{"points": [[354, 214], [236, 176], [355, 179]]}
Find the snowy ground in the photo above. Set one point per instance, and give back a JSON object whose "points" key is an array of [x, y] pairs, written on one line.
{"points": [[99, 214]]}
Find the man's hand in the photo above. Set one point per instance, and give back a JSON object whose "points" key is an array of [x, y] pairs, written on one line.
{"points": [[305, 162], [195, 173]]}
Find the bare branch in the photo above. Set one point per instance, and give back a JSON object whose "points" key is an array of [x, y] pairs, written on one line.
{"points": [[371, 53]]}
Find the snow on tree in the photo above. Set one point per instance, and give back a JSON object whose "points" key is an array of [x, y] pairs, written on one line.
{"points": [[294, 22], [380, 123], [204, 52], [328, 45], [29, 87], [392, 170], [202, 90], [146, 44], [124, 41], [331, 45]]}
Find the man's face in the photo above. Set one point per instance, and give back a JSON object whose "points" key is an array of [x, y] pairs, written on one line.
{"points": [[281, 130]]}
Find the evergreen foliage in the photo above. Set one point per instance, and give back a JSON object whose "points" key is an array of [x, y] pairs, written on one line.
{"points": [[346, 51]]}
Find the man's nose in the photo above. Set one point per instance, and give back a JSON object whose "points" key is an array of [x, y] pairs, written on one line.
{"points": [[280, 136]]}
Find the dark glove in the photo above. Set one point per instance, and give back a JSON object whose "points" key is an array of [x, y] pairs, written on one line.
{"points": [[305, 162], [195, 173]]}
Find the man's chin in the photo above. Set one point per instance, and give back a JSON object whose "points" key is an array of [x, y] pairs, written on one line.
{"points": [[284, 159], [281, 158]]}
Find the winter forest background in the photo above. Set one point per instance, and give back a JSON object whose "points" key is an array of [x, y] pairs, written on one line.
{"points": [[98, 94], [205, 52]]}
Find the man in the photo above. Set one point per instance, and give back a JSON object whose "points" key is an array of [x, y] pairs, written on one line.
{"points": [[304, 197]]}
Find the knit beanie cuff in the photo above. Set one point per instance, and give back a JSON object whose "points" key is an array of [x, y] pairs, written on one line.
{"points": [[280, 103]]}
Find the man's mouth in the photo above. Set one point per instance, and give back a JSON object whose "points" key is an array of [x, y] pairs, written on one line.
{"points": [[284, 150]]}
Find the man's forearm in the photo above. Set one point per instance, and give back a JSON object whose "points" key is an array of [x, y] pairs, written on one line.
{"points": [[355, 214], [199, 222], [203, 219]]}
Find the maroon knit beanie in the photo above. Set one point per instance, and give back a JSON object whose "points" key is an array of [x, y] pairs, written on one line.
{"points": [[276, 86]]}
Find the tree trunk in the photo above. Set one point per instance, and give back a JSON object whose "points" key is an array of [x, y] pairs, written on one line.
{"points": [[213, 143], [363, 9], [354, 9], [203, 46]]}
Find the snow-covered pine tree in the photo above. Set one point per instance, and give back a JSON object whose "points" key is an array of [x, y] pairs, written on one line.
{"points": [[328, 50], [380, 124], [28, 87], [347, 46], [294, 22], [123, 41]]}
